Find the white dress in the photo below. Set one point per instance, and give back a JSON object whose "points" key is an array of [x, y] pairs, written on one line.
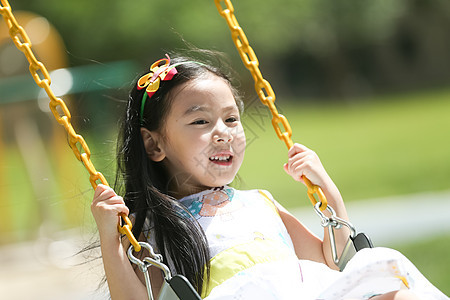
{"points": [[252, 256]]}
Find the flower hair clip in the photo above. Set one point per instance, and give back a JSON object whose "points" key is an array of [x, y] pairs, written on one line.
{"points": [[159, 70]]}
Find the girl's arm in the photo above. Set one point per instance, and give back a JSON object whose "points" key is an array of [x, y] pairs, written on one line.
{"points": [[123, 281], [305, 162]]}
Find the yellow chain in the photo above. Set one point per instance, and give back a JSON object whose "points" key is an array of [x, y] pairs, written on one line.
{"points": [[37, 69], [264, 89]]}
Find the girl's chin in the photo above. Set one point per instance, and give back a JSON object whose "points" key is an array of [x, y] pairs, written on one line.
{"points": [[219, 183], [187, 189]]}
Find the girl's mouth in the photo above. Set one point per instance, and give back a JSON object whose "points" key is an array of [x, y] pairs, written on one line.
{"points": [[223, 159]]}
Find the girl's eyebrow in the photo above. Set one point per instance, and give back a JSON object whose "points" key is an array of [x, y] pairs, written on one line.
{"points": [[197, 108]]}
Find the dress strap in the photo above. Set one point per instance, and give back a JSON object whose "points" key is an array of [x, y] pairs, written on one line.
{"points": [[269, 201]]}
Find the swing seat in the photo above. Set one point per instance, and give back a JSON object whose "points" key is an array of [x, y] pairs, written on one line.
{"points": [[354, 244], [178, 287]]}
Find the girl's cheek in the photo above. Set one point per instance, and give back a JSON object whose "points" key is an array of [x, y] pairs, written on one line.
{"points": [[240, 144], [242, 135]]}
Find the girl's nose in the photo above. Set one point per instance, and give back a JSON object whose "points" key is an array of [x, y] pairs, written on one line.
{"points": [[223, 137], [222, 133]]}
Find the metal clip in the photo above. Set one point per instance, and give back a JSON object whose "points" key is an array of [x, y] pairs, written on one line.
{"points": [[334, 222], [154, 260]]}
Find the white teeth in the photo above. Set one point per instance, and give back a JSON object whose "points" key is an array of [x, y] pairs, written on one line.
{"points": [[220, 158]]}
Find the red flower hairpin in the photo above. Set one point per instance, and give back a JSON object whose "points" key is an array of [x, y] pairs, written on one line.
{"points": [[159, 70]]}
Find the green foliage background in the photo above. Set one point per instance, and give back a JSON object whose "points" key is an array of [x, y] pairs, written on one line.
{"points": [[365, 83], [333, 49], [372, 148]]}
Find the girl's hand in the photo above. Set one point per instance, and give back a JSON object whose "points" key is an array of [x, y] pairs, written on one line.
{"points": [[305, 162], [106, 208]]}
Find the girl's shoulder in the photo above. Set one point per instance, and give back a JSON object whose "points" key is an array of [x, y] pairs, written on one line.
{"points": [[258, 193], [259, 197]]}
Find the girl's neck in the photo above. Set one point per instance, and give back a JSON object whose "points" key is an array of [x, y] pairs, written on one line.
{"points": [[185, 190]]}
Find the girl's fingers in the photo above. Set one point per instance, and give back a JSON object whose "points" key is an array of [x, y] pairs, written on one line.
{"points": [[304, 162], [296, 177], [100, 189], [297, 148], [106, 200], [297, 170], [116, 200], [306, 159], [117, 209], [111, 200], [103, 192], [106, 208]]}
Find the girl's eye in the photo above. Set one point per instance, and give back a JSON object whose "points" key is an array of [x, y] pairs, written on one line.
{"points": [[199, 122], [231, 120]]}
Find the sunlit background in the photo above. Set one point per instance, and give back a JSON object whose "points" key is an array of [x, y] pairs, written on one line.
{"points": [[366, 84]]}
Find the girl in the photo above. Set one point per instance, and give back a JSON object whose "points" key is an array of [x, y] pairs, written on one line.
{"points": [[181, 144]]}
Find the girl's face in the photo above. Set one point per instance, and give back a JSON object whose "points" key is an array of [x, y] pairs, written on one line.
{"points": [[202, 139]]}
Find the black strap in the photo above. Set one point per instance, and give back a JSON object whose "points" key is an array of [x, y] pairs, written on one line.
{"points": [[183, 288], [361, 241]]}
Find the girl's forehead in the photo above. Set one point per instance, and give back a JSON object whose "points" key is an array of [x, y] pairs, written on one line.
{"points": [[210, 92]]}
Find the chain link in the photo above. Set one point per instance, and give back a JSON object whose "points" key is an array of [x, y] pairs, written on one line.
{"points": [[42, 78], [264, 89]]}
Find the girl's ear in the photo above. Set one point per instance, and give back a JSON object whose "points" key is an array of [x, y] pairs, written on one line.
{"points": [[151, 144]]}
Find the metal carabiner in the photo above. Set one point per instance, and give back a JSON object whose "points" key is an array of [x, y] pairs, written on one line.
{"points": [[161, 266], [334, 222], [154, 260]]}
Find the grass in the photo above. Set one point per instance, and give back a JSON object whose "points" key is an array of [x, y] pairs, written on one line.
{"points": [[372, 148]]}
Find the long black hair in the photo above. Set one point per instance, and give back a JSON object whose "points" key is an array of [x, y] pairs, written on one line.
{"points": [[144, 183]]}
